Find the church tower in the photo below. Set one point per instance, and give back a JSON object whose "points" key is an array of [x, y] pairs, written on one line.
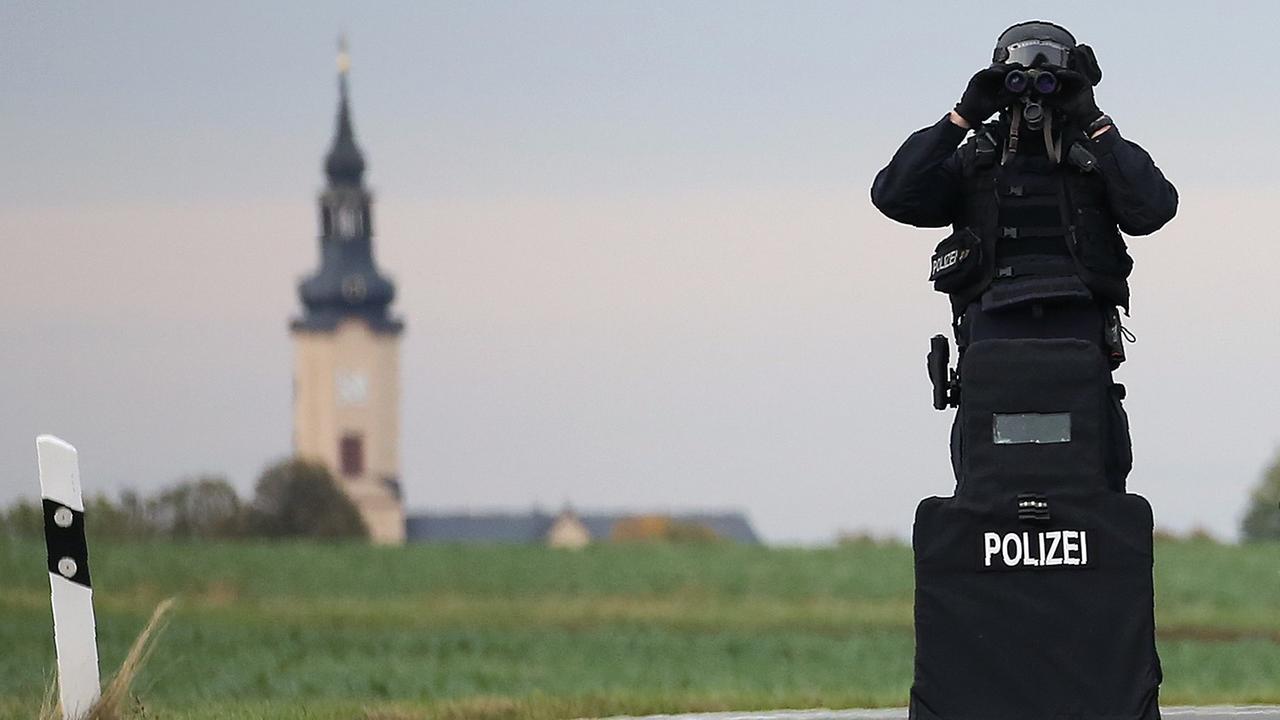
{"points": [[347, 344]]}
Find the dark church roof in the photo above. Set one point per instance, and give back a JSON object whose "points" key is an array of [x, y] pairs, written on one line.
{"points": [[344, 164], [532, 527], [347, 283], [479, 528]]}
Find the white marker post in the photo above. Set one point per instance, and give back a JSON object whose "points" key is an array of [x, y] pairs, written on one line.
{"points": [[74, 631]]}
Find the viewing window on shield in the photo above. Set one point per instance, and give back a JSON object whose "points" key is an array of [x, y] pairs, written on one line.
{"points": [[1032, 428]]}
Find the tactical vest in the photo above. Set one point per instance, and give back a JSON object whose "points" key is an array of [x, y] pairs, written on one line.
{"points": [[1083, 250]]}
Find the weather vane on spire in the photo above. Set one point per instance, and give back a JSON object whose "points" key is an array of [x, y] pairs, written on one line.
{"points": [[344, 58]]}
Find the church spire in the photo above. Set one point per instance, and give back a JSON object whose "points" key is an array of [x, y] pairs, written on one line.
{"points": [[347, 283], [344, 164]]}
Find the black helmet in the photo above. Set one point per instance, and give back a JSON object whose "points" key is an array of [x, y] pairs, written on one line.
{"points": [[1035, 43], [1039, 42]]}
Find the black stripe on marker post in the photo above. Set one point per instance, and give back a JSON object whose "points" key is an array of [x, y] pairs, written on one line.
{"points": [[64, 538]]}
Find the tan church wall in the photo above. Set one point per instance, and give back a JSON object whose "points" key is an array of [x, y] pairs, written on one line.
{"points": [[347, 382]]}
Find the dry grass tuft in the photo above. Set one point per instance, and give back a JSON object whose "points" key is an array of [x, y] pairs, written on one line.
{"points": [[114, 702], [111, 706], [49, 709]]}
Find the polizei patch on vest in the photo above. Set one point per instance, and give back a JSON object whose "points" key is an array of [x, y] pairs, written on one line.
{"points": [[1034, 550], [940, 264]]}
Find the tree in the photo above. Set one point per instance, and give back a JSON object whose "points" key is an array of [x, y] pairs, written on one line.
{"points": [[206, 507], [1262, 518], [296, 498], [25, 519], [128, 519]]}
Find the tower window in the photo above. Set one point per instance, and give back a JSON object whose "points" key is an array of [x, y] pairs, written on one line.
{"points": [[349, 222], [351, 455], [326, 221]]}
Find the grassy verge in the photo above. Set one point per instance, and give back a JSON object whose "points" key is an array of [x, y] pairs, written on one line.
{"points": [[347, 631]]}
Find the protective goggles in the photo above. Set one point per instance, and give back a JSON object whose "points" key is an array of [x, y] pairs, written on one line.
{"points": [[1034, 53]]}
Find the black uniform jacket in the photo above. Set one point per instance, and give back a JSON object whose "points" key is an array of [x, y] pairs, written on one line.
{"points": [[922, 184]]}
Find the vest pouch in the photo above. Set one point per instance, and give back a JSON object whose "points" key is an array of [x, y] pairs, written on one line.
{"points": [[1100, 248], [957, 262], [1020, 292]]}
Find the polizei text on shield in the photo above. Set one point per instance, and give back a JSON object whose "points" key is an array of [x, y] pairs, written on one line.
{"points": [[1035, 549]]}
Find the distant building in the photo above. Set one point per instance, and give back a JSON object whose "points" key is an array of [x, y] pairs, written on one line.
{"points": [[346, 394], [568, 531], [565, 528]]}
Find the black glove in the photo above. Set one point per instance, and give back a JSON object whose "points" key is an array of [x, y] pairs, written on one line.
{"points": [[1075, 98], [1084, 61], [985, 95]]}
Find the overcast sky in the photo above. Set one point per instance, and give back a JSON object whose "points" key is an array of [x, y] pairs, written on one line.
{"points": [[633, 243]]}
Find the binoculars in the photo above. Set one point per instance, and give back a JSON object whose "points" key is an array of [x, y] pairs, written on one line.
{"points": [[1020, 82]]}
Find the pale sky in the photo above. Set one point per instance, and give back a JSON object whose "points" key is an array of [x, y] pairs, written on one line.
{"points": [[633, 244]]}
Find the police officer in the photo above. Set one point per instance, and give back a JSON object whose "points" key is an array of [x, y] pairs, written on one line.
{"points": [[1036, 199]]}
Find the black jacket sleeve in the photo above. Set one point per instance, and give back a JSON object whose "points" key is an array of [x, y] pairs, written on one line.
{"points": [[921, 185], [1141, 199]]}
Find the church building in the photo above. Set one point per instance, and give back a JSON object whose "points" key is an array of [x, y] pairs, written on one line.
{"points": [[346, 403], [346, 389]]}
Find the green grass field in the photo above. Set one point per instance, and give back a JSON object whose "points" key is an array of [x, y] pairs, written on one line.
{"points": [[348, 631]]}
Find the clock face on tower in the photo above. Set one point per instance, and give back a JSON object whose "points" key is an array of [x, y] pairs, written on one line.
{"points": [[354, 288], [352, 387]]}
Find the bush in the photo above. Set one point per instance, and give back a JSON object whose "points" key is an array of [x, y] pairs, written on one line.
{"points": [[1262, 516], [865, 539], [124, 520], [206, 507], [691, 532], [295, 498], [660, 528]]}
